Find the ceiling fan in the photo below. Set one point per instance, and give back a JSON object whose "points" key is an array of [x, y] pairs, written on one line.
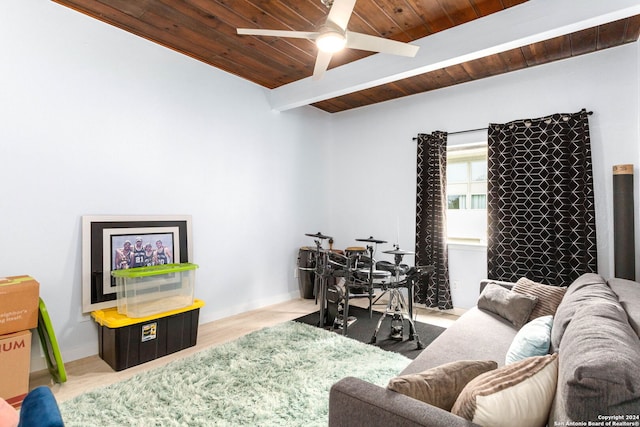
{"points": [[333, 36]]}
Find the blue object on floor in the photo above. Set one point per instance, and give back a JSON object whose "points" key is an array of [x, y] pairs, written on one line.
{"points": [[40, 409]]}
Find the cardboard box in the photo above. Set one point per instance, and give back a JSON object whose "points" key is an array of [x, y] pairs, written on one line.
{"points": [[15, 361], [19, 301]]}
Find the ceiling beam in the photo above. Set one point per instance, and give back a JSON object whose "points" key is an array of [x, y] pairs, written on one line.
{"points": [[521, 25]]}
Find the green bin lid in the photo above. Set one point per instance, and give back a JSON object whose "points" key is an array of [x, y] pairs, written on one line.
{"points": [[153, 270]]}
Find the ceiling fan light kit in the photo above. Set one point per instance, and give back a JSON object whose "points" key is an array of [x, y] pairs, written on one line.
{"points": [[333, 36], [331, 41]]}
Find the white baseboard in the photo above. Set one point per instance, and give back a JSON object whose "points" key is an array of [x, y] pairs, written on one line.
{"points": [[206, 317]]}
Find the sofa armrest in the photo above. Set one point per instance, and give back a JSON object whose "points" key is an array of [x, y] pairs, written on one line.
{"points": [[354, 402]]}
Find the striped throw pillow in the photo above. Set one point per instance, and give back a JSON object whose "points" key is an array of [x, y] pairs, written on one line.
{"points": [[549, 297], [519, 394]]}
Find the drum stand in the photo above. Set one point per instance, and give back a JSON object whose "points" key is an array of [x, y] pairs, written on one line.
{"points": [[322, 274], [397, 306], [369, 287], [351, 280], [350, 283], [341, 315]]}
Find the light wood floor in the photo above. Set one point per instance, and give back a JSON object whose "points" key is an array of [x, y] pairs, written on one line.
{"points": [[91, 372]]}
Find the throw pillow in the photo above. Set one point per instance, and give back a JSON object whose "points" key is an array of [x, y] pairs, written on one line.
{"points": [[549, 297], [440, 386], [532, 340], [587, 289], [518, 394], [598, 373], [513, 306]]}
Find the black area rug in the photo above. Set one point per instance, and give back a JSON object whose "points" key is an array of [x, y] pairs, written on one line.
{"points": [[362, 330]]}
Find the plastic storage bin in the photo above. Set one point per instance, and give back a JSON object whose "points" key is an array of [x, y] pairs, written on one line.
{"points": [[124, 342], [145, 291]]}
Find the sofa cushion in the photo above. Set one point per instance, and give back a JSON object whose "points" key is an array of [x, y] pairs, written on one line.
{"points": [[513, 306], [516, 394], [440, 386], [628, 293], [549, 297], [533, 339], [598, 369], [476, 335], [589, 288]]}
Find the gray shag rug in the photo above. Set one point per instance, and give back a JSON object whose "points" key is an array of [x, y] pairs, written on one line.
{"points": [[277, 376]]}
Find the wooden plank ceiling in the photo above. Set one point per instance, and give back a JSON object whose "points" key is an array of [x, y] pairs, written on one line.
{"points": [[206, 31]]}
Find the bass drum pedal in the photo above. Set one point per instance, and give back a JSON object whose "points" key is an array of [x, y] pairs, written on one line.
{"points": [[397, 332], [335, 308]]}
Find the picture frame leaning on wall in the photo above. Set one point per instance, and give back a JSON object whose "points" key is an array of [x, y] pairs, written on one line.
{"points": [[104, 239]]}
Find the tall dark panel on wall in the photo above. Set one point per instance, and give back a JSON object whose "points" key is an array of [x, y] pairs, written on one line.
{"points": [[623, 227]]}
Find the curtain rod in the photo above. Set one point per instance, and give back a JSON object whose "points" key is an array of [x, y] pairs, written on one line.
{"points": [[459, 131], [468, 130], [475, 130]]}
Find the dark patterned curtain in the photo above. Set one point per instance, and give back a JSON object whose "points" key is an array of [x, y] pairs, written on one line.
{"points": [[431, 214], [541, 218]]}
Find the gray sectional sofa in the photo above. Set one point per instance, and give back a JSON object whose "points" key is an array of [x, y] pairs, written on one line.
{"points": [[595, 333]]}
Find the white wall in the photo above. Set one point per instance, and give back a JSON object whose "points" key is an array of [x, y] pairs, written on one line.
{"points": [[373, 146], [97, 121]]}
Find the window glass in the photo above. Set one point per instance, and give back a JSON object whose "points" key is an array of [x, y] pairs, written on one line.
{"points": [[467, 193], [457, 172], [479, 170], [456, 201], [478, 201]]}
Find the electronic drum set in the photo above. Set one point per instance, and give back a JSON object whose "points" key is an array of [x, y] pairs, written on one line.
{"points": [[354, 273]]}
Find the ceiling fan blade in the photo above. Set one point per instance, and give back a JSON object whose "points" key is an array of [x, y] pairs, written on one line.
{"points": [[322, 63], [340, 12], [311, 35], [379, 44]]}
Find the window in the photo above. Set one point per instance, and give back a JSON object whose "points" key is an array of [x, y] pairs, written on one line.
{"points": [[457, 201], [467, 193]]}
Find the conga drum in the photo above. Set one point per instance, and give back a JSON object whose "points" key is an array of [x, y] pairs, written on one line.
{"points": [[306, 271]]}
